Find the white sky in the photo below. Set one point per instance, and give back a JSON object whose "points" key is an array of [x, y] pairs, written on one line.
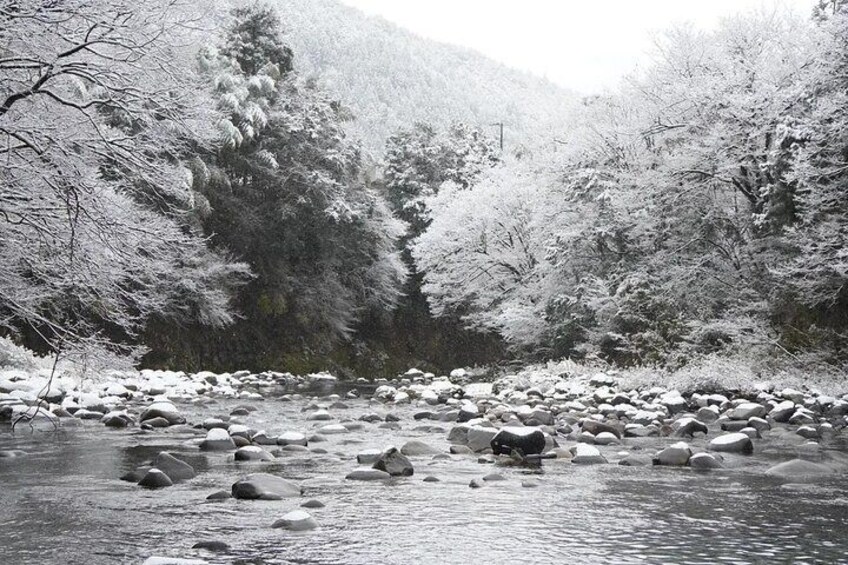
{"points": [[586, 45]]}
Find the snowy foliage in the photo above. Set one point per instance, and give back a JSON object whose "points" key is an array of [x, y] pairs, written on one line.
{"points": [[699, 209], [289, 193], [97, 106]]}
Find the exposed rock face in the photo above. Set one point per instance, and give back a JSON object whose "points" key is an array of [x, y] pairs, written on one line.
{"points": [[262, 486]]}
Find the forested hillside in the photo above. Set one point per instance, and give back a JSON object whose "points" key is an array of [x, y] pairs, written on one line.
{"points": [[391, 78]]}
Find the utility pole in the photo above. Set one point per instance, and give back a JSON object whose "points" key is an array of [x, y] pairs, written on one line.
{"points": [[500, 126]]}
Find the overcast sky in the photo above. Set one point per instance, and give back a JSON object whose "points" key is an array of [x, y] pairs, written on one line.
{"points": [[586, 45]]}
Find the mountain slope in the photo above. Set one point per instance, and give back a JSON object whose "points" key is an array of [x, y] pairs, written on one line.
{"points": [[390, 78]]}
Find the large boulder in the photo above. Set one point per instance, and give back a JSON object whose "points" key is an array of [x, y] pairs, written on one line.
{"points": [[394, 463], [217, 440], [733, 443], [296, 521], [176, 469], [527, 441], [262, 486], [676, 455]]}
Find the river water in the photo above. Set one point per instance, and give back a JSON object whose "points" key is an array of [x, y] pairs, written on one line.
{"points": [[63, 503]]}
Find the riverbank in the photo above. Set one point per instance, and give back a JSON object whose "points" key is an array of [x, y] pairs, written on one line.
{"points": [[312, 441]]}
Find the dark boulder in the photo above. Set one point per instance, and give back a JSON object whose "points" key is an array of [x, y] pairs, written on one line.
{"points": [[526, 441], [394, 463]]}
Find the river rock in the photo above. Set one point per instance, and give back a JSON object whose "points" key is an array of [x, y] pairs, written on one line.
{"points": [[747, 410], [704, 461], [211, 546], [467, 412], [688, 427], [262, 438], [525, 440], [633, 460], [606, 438], [733, 443], [707, 414], [296, 521], [217, 440], [292, 438], [595, 427], [759, 424], [220, 495], [164, 410], [675, 455], [252, 453], [416, 447], [176, 469], [263, 486], [319, 416], [368, 456], [117, 420], [808, 432], [585, 454], [312, 504], [783, 411], [154, 478], [331, 429], [798, 469], [480, 438], [368, 475], [394, 463], [173, 561]]}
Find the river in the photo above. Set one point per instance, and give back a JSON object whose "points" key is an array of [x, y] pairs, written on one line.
{"points": [[62, 503]]}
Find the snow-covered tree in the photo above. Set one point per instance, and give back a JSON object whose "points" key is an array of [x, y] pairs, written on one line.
{"points": [[420, 160], [289, 194], [97, 107]]}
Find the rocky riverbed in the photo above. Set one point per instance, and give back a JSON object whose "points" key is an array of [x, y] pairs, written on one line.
{"points": [[167, 467]]}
